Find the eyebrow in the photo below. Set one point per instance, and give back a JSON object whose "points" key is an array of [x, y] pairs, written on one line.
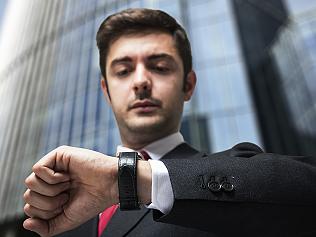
{"points": [[153, 57], [160, 56], [124, 59]]}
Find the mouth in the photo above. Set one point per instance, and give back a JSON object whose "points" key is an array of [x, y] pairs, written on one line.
{"points": [[145, 106]]}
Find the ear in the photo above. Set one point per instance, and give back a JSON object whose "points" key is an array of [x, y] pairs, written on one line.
{"points": [[190, 85], [105, 90]]}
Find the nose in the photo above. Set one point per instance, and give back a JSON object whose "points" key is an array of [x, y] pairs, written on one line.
{"points": [[142, 81]]}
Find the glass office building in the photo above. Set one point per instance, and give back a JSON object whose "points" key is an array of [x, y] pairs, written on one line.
{"points": [[279, 49], [50, 85], [294, 53], [2, 10]]}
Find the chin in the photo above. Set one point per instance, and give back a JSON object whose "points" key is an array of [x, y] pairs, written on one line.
{"points": [[147, 125]]}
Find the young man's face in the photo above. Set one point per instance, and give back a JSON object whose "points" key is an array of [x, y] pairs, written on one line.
{"points": [[145, 81]]}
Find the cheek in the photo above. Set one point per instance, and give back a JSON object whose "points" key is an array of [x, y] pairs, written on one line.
{"points": [[172, 99], [120, 92], [118, 103], [119, 85], [170, 90]]}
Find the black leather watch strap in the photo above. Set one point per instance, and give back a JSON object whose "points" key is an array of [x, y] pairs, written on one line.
{"points": [[127, 180]]}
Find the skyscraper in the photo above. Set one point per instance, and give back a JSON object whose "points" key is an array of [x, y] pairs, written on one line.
{"points": [[279, 47], [3, 4], [294, 55]]}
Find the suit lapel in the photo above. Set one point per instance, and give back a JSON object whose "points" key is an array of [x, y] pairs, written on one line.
{"points": [[124, 221], [183, 151]]}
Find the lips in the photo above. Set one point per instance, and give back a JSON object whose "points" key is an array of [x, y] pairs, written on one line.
{"points": [[145, 106]]}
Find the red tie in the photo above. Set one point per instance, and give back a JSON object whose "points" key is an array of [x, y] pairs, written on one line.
{"points": [[105, 218], [145, 155], [107, 214]]}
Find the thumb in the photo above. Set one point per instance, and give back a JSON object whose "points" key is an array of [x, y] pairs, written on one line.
{"points": [[45, 168], [46, 228], [37, 225]]}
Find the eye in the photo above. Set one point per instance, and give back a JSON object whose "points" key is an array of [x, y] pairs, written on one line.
{"points": [[161, 69], [122, 73]]}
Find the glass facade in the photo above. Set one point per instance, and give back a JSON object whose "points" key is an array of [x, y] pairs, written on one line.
{"points": [[50, 81], [2, 11], [27, 56], [294, 53], [278, 45], [222, 93]]}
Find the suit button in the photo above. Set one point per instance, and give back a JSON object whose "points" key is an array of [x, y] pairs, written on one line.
{"points": [[214, 186], [226, 186]]}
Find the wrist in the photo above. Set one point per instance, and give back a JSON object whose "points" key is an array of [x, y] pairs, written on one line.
{"points": [[114, 192], [144, 182]]}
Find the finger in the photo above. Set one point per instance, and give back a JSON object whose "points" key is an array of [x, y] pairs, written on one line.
{"points": [[37, 225], [57, 159], [49, 160], [38, 213], [44, 202], [50, 176], [36, 184]]}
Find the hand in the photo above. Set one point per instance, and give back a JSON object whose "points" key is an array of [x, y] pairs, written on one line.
{"points": [[69, 186]]}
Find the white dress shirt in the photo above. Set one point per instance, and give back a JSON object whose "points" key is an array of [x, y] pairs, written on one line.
{"points": [[161, 192]]}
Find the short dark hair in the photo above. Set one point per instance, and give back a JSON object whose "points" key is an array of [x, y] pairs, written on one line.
{"points": [[142, 20]]}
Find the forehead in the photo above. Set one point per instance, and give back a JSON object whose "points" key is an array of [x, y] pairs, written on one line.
{"points": [[143, 45]]}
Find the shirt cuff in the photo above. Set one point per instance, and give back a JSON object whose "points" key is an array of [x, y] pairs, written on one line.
{"points": [[161, 191]]}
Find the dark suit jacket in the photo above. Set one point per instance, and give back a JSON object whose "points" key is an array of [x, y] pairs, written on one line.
{"points": [[273, 195]]}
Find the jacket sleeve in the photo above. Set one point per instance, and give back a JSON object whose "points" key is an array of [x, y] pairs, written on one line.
{"points": [[244, 191]]}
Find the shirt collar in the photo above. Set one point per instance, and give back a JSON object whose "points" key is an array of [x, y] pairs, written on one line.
{"points": [[158, 148]]}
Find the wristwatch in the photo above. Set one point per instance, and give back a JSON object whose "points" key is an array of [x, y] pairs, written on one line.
{"points": [[127, 180]]}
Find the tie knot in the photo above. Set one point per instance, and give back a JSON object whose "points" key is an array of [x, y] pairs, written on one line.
{"points": [[144, 155]]}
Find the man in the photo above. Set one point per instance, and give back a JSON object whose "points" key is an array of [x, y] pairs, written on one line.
{"points": [[145, 60]]}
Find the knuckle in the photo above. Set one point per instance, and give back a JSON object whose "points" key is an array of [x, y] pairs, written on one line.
{"points": [[62, 147], [26, 208], [36, 168], [29, 182], [26, 195]]}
